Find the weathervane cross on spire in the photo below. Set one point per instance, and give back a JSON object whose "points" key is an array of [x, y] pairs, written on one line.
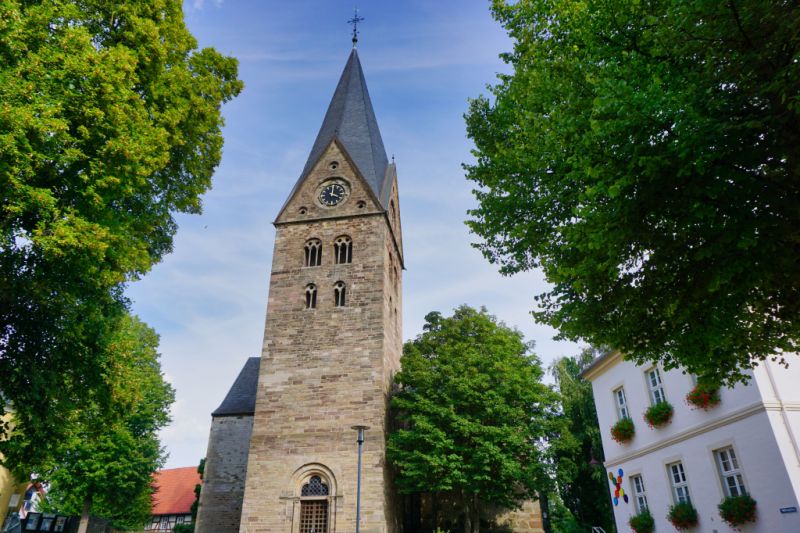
{"points": [[354, 21]]}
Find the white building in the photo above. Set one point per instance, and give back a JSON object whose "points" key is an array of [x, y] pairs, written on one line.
{"points": [[749, 442]]}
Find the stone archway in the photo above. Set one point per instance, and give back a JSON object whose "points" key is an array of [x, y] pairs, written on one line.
{"points": [[314, 499]]}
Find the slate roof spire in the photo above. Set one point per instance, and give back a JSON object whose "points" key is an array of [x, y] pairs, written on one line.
{"points": [[351, 120]]}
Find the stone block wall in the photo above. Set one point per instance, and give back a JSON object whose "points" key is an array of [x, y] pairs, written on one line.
{"points": [[221, 498], [326, 369]]}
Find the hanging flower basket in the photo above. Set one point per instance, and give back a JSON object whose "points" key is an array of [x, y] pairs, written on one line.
{"points": [[642, 522], [703, 396], [623, 430], [682, 515], [659, 414], [738, 510]]}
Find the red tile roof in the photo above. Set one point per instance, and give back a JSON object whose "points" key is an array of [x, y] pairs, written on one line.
{"points": [[174, 490]]}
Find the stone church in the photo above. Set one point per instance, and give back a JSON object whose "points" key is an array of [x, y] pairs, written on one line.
{"points": [[282, 457]]}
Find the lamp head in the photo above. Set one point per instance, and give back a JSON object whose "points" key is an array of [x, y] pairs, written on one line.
{"points": [[361, 429]]}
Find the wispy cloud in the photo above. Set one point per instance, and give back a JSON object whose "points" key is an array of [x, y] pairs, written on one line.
{"points": [[422, 60], [199, 5]]}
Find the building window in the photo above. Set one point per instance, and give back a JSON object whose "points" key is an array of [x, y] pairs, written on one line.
{"points": [[680, 488], [343, 250], [313, 253], [314, 506], [656, 386], [729, 472], [339, 294], [314, 487], [311, 296], [639, 496], [621, 403]]}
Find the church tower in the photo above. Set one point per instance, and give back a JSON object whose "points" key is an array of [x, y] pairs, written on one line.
{"points": [[332, 341]]}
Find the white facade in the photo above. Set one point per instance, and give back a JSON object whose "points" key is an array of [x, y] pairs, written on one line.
{"points": [[752, 438]]}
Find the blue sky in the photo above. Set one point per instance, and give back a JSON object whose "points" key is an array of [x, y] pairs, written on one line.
{"points": [[423, 60]]}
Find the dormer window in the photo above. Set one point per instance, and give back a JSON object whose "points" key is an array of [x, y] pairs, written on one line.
{"points": [[343, 250], [313, 253]]}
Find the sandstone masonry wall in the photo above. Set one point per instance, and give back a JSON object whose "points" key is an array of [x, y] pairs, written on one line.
{"points": [[324, 370], [220, 507]]}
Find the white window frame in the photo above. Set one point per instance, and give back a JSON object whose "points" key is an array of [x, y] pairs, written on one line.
{"points": [[655, 385], [730, 472], [621, 403], [639, 493], [680, 486]]}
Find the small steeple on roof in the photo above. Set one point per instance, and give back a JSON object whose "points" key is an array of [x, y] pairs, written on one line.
{"points": [[351, 120]]}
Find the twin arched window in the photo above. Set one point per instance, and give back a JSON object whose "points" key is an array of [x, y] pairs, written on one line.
{"points": [[311, 296], [313, 253], [342, 251], [339, 295], [342, 254]]}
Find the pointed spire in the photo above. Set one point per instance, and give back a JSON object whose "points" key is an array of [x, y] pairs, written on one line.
{"points": [[351, 120]]}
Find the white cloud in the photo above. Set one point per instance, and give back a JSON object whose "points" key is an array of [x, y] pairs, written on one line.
{"points": [[199, 5], [208, 299]]}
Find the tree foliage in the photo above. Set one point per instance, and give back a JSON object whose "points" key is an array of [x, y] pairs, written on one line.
{"points": [[473, 413], [109, 124], [645, 156], [110, 448], [581, 484]]}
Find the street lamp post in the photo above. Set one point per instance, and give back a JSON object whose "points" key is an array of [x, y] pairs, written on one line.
{"points": [[360, 440]]}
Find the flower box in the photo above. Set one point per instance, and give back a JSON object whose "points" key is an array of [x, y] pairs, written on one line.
{"points": [[659, 414], [703, 396], [623, 430], [682, 515], [738, 510], [642, 522]]}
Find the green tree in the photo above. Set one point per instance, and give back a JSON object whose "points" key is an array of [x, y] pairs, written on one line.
{"points": [[644, 156], [473, 413], [582, 485], [103, 465], [109, 125]]}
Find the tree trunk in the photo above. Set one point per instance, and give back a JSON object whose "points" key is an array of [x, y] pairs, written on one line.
{"points": [[472, 522], [476, 515], [467, 515], [83, 526]]}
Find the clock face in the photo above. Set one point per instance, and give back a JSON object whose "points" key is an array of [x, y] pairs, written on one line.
{"points": [[332, 194]]}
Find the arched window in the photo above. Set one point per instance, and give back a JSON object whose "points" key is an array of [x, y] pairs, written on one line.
{"points": [[313, 253], [339, 294], [314, 487], [311, 296], [343, 250], [314, 506]]}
